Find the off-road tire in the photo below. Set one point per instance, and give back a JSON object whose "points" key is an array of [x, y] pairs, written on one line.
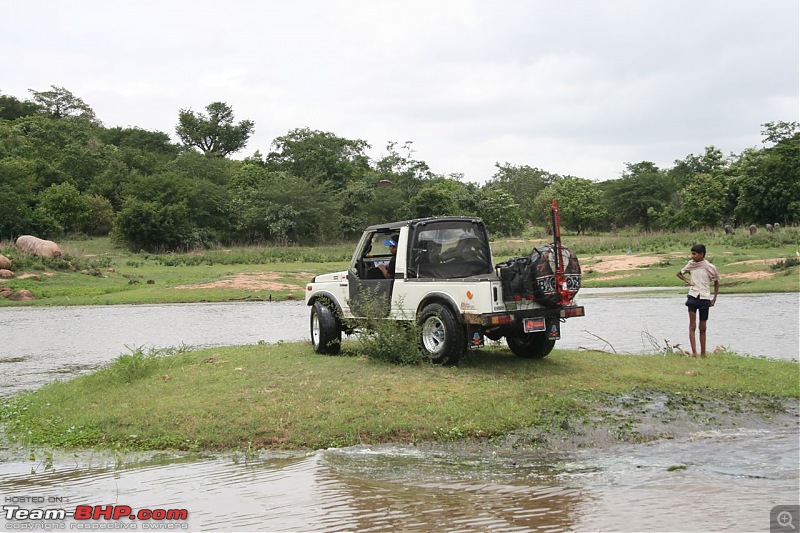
{"points": [[326, 334], [530, 345], [441, 335]]}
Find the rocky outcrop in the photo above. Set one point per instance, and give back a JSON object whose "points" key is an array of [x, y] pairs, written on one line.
{"points": [[36, 246], [6, 274], [21, 295], [5, 262]]}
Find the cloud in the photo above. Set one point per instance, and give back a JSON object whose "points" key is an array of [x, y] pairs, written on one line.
{"points": [[574, 87]]}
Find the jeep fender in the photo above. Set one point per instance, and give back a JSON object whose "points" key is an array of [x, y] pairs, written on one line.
{"points": [[328, 299], [444, 299]]}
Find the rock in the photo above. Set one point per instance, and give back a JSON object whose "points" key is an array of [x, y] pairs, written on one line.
{"points": [[36, 246], [21, 295], [30, 275], [6, 274], [5, 262], [5, 291]]}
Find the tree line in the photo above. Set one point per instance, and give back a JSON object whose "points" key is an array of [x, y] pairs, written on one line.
{"points": [[63, 172]]}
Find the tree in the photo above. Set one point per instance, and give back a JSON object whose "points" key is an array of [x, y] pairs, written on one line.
{"points": [[281, 207], [712, 160], [394, 165], [65, 204], [319, 156], [639, 196], [197, 208], [12, 109], [703, 201], [580, 204], [150, 226], [214, 134], [502, 215], [767, 184], [59, 103], [523, 183], [433, 200]]}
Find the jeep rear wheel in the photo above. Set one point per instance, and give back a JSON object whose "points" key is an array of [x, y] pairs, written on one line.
{"points": [[530, 345], [442, 337], [326, 335]]}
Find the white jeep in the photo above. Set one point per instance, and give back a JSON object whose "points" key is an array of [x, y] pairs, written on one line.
{"points": [[445, 278]]}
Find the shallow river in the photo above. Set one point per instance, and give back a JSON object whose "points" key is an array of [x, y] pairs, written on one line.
{"points": [[40, 344], [731, 480]]}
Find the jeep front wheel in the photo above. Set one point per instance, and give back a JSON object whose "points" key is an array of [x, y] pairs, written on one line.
{"points": [[530, 345], [326, 335], [441, 336]]}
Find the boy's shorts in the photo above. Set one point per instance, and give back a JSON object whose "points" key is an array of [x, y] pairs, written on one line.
{"points": [[694, 303]]}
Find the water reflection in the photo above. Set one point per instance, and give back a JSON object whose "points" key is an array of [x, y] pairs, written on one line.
{"points": [[394, 488], [731, 480]]}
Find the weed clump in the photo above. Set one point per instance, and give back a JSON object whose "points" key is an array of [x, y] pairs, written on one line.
{"points": [[140, 363], [391, 341], [386, 339]]}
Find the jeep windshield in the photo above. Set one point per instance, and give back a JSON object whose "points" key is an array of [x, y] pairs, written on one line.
{"points": [[450, 249]]}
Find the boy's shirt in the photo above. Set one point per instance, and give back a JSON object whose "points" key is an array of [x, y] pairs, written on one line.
{"points": [[703, 274]]}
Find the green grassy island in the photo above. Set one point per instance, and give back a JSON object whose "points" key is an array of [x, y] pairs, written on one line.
{"points": [[283, 396]]}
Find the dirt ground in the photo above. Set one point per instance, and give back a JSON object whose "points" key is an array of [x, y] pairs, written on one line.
{"points": [[617, 263], [613, 263], [252, 281]]}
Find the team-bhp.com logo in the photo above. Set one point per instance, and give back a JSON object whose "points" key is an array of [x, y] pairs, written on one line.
{"points": [[90, 517]]}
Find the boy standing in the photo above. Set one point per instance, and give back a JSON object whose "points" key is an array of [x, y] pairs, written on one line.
{"points": [[702, 274]]}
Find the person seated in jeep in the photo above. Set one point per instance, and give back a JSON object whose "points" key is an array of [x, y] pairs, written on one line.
{"points": [[388, 270]]}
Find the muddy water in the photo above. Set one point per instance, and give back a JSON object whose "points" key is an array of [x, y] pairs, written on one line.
{"points": [[731, 480], [39, 345], [728, 479]]}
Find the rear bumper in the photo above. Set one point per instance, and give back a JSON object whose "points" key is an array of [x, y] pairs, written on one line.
{"points": [[511, 318]]}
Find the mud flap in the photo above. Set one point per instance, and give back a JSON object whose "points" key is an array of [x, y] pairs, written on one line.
{"points": [[553, 329], [474, 337]]}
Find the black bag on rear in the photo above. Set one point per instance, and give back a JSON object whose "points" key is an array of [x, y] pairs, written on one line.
{"points": [[513, 275], [534, 277]]}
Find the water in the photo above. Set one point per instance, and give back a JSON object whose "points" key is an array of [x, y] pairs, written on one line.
{"points": [[731, 480], [38, 344], [748, 324]]}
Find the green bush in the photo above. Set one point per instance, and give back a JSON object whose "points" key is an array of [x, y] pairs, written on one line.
{"points": [[387, 340]]}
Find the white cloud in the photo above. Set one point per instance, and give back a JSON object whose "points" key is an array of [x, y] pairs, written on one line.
{"points": [[576, 87]]}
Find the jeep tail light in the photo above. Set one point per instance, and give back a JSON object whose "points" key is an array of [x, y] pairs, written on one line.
{"points": [[568, 312]]}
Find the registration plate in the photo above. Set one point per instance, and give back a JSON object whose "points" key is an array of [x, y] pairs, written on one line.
{"points": [[531, 325]]}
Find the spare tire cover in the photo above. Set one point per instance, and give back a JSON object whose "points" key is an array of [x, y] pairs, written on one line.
{"points": [[543, 270]]}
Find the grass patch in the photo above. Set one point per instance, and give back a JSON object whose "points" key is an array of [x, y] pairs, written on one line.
{"points": [[105, 274], [285, 396]]}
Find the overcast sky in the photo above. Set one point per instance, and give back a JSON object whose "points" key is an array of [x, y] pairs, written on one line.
{"points": [[571, 87]]}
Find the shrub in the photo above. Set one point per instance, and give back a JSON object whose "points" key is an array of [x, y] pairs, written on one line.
{"points": [[387, 340]]}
